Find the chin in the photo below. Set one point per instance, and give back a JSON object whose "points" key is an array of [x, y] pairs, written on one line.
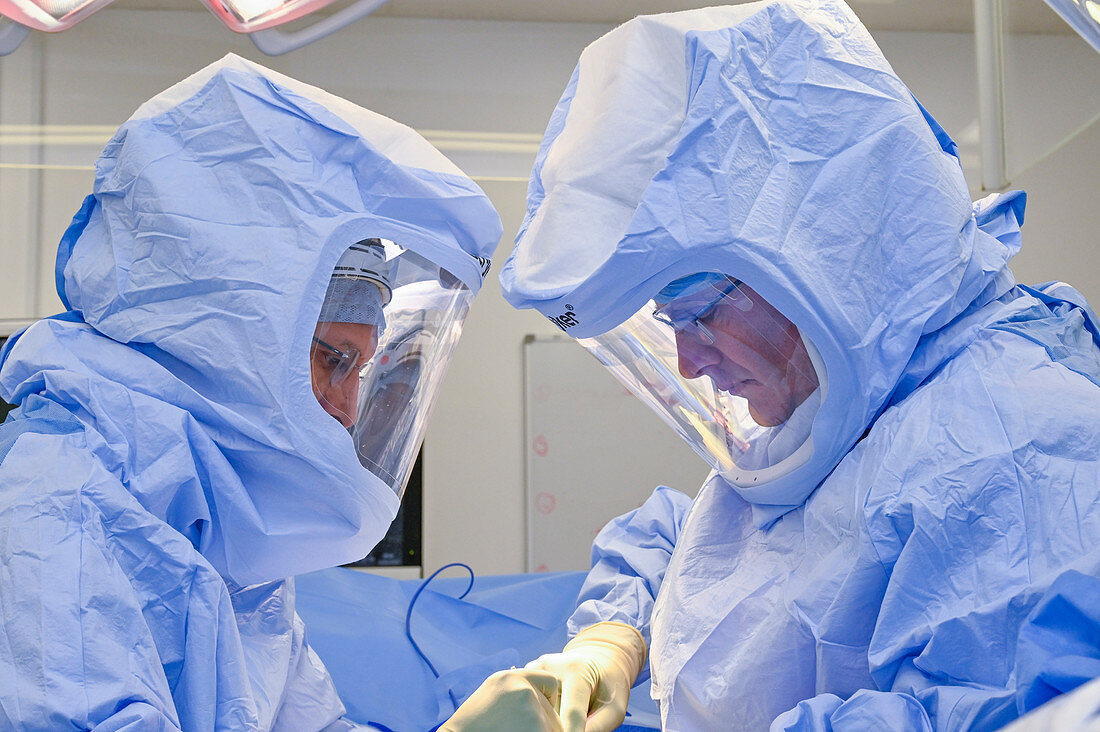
{"points": [[767, 414]]}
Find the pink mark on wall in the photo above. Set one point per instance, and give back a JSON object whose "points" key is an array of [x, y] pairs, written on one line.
{"points": [[546, 502], [541, 446]]}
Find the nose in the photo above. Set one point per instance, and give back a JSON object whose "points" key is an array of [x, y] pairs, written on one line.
{"points": [[693, 355], [341, 400]]}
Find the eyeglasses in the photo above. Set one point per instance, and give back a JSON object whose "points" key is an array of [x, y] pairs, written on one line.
{"points": [[340, 363], [689, 319]]}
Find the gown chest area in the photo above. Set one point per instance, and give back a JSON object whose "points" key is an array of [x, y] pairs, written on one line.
{"points": [[789, 609]]}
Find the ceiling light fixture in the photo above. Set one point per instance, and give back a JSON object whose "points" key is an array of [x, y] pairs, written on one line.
{"points": [[50, 16], [246, 16], [256, 18]]}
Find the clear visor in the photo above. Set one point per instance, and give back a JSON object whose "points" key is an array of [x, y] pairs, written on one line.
{"points": [[384, 339], [726, 370]]}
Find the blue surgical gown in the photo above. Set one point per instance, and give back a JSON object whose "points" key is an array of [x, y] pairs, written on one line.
{"points": [[894, 580], [168, 466], [903, 594]]}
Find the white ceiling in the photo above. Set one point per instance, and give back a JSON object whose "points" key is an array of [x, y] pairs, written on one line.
{"points": [[885, 15]]}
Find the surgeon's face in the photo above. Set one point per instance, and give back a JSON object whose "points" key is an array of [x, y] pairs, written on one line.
{"points": [[756, 354], [339, 350]]}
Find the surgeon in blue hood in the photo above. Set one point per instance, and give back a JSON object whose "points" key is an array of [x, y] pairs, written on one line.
{"points": [[184, 438], [746, 216]]}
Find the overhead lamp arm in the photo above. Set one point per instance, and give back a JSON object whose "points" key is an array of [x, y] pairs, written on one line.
{"points": [[988, 37], [275, 42], [11, 35]]}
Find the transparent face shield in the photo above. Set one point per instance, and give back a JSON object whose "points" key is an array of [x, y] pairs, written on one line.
{"points": [[726, 370], [384, 339]]}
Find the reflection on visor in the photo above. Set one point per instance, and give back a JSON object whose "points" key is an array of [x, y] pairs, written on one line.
{"points": [[384, 421], [397, 388], [725, 369]]}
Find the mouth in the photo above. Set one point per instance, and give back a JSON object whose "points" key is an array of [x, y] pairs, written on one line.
{"points": [[723, 381], [737, 388]]}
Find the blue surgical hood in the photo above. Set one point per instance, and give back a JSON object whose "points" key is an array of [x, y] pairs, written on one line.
{"points": [[773, 142], [194, 275]]}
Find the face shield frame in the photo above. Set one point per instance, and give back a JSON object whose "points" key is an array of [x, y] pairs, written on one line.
{"points": [[417, 287]]}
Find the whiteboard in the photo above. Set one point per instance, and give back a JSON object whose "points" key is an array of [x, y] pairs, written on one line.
{"points": [[593, 452]]}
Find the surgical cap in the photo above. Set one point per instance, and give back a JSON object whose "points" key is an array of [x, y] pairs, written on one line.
{"points": [[359, 288]]}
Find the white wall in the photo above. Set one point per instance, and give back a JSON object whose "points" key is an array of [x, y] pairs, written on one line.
{"points": [[499, 80]]}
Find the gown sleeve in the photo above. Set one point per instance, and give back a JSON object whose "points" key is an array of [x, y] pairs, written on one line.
{"points": [[629, 559]]}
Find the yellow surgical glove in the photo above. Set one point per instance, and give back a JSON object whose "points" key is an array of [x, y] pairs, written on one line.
{"points": [[597, 669], [520, 699]]}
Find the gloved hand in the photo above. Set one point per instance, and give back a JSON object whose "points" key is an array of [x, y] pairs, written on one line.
{"points": [[520, 699], [597, 669]]}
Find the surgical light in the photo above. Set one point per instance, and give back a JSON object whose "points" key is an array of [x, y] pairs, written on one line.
{"points": [[256, 18], [50, 16], [246, 16]]}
